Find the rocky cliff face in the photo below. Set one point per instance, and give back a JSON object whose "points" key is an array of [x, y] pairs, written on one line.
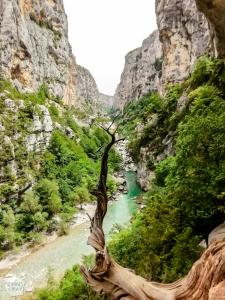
{"points": [[34, 48], [82, 90], [215, 12], [142, 71], [168, 55], [185, 35], [34, 44], [106, 101], [82, 86], [21, 144], [86, 90]]}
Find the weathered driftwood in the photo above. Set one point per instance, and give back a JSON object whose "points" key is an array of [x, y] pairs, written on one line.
{"points": [[204, 281]]}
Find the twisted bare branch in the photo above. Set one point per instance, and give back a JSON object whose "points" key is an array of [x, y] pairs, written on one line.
{"points": [[123, 284]]}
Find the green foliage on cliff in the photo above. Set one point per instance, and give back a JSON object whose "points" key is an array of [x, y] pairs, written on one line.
{"points": [[13, 93], [151, 119], [187, 199], [61, 174]]}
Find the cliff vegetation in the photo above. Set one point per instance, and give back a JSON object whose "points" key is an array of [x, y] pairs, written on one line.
{"points": [[48, 164], [186, 199]]}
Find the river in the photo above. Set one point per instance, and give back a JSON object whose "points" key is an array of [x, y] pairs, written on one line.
{"points": [[61, 254]]}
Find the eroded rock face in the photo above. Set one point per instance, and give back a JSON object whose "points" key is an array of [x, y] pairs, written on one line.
{"points": [[215, 12], [86, 90], [35, 50], [106, 101], [82, 89], [167, 55], [40, 131], [185, 35], [25, 133], [142, 71], [34, 44]]}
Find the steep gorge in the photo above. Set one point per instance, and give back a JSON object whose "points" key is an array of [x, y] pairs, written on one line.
{"points": [[48, 103], [176, 133], [167, 57], [36, 57]]}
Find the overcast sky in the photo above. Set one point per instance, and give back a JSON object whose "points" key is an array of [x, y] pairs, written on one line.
{"points": [[101, 32]]}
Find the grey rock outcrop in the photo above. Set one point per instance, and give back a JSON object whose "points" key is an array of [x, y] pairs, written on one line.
{"points": [[40, 131], [86, 86], [34, 49], [142, 71], [82, 86], [106, 101], [167, 55], [185, 35], [82, 89], [34, 44], [25, 133]]}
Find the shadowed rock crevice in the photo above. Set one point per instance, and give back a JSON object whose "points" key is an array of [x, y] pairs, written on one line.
{"points": [[215, 12]]}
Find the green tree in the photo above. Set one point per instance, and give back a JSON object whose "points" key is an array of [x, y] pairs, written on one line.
{"points": [[30, 203], [80, 196], [48, 192]]}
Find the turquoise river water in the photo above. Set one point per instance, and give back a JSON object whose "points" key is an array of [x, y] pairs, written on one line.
{"points": [[65, 251]]}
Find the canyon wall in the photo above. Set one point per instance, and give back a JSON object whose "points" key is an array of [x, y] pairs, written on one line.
{"points": [[34, 44], [184, 34], [34, 49], [83, 90], [142, 71], [168, 54]]}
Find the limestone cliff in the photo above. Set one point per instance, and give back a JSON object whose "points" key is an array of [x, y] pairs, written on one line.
{"points": [[21, 143], [106, 101], [82, 91], [34, 44], [142, 71], [85, 91], [34, 48], [184, 34], [215, 12], [82, 86], [167, 55]]}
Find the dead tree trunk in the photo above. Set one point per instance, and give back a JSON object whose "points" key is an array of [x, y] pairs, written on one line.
{"points": [[122, 284]]}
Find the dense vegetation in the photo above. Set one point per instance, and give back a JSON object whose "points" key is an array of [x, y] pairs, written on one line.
{"points": [[61, 175], [71, 287], [186, 200], [148, 121]]}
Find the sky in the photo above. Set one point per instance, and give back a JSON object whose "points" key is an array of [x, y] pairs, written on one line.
{"points": [[102, 32]]}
